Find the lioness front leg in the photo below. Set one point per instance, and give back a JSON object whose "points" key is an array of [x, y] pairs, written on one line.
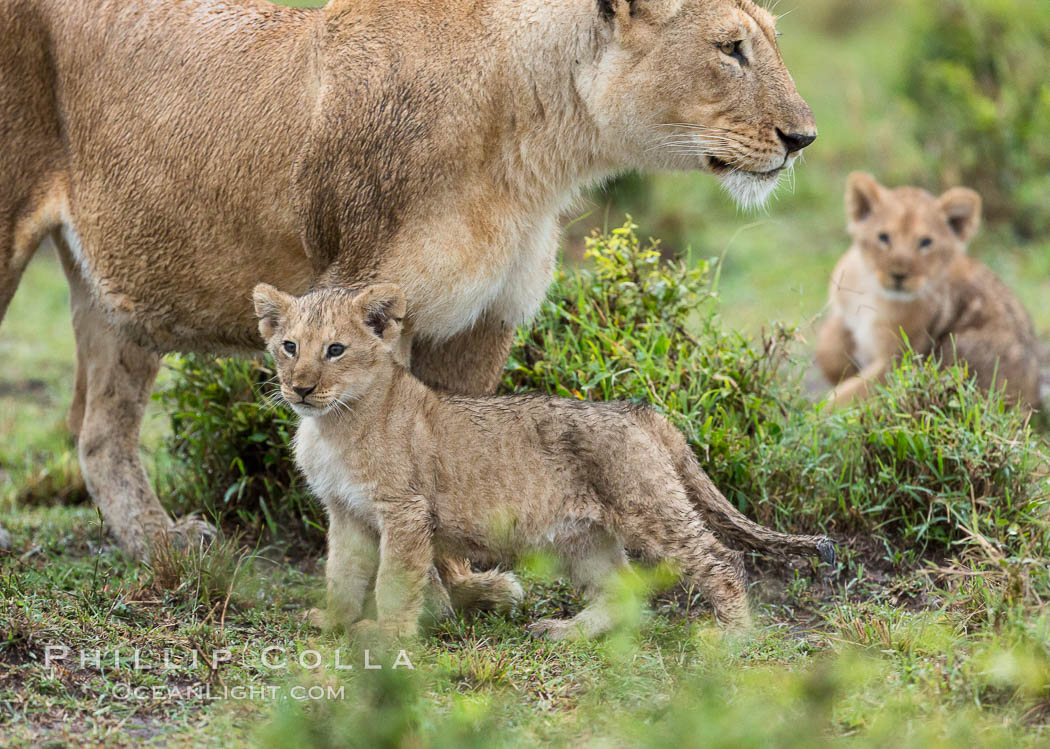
{"points": [[406, 557], [117, 377], [469, 363]]}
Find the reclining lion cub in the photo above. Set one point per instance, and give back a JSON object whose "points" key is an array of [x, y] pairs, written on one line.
{"points": [[420, 473], [908, 271]]}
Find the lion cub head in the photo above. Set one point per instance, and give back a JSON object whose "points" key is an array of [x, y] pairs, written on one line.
{"points": [[329, 345], [906, 235]]}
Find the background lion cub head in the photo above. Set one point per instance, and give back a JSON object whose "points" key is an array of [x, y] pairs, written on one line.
{"points": [[906, 235], [329, 345]]}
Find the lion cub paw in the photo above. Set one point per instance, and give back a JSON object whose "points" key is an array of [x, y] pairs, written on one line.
{"points": [[371, 632], [556, 629]]}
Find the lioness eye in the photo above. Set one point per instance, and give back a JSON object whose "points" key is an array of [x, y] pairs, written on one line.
{"points": [[924, 243], [289, 348], [733, 49], [884, 238], [336, 350]]}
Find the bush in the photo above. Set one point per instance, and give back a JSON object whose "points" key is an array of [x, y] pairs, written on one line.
{"points": [[232, 450], [928, 464], [978, 80]]}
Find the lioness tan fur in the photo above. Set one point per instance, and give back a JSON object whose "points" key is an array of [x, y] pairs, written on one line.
{"points": [[417, 473], [907, 274], [181, 151]]}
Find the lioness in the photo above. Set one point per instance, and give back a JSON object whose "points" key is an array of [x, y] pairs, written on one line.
{"points": [[181, 151], [907, 273], [414, 472]]}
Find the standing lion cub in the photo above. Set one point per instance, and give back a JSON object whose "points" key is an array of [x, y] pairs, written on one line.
{"points": [[908, 273], [420, 474]]}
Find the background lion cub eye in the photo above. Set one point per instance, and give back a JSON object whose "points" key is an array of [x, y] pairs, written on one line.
{"points": [[925, 243], [336, 350], [289, 348], [884, 238]]}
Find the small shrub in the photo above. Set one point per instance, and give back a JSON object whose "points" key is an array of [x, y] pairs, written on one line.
{"points": [[231, 446], [978, 80], [930, 462]]}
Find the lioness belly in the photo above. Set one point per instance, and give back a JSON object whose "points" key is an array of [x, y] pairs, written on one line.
{"points": [[182, 298]]}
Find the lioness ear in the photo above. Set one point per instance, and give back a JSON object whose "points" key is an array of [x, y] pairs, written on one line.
{"points": [[382, 308], [962, 206], [270, 306], [863, 193]]}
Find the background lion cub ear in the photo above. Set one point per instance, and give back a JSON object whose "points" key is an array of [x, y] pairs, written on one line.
{"points": [[382, 308], [270, 306], [863, 193], [962, 207]]}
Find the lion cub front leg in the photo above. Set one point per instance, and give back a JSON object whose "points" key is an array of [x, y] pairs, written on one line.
{"points": [[353, 557], [860, 385], [406, 557]]}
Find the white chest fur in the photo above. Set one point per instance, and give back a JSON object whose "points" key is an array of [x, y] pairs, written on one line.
{"points": [[330, 474], [862, 322], [454, 279]]}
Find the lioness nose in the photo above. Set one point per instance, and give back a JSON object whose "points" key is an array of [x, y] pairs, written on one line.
{"points": [[795, 141], [303, 392]]}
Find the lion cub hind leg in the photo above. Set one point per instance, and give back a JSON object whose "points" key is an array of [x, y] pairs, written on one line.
{"points": [[672, 530], [593, 564]]}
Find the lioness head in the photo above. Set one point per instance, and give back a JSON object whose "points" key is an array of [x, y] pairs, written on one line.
{"points": [[698, 84], [329, 345], [906, 235]]}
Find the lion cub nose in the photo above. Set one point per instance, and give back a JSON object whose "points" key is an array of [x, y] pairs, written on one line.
{"points": [[303, 392], [898, 278]]}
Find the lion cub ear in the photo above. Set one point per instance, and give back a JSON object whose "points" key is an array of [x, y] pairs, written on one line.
{"points": [[382, 309], [270, 306], [962, 207], [863, 193]]}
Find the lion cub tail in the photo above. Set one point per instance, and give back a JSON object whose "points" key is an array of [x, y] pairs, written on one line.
{"points": [[723, 516], [492, 590]]}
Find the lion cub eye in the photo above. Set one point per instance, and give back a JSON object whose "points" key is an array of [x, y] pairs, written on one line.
{"points": [[884, 238], [289, 348], [734, 50], [336, 350], [925, 243]]}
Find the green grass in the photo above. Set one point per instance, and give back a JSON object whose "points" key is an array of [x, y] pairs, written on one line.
{"points": [[820, 667]]}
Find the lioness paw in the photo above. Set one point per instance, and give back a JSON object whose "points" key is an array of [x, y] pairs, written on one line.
{"points": [[191, 533]]}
